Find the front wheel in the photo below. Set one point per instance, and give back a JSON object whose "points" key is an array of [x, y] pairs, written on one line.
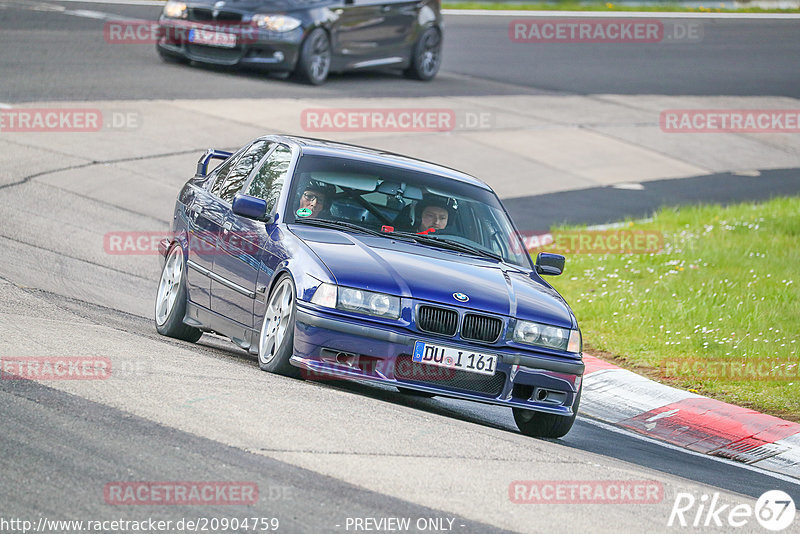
{"points": [[171, 299], [276, 341], [426, 56], [315, 58], [545, 425]]}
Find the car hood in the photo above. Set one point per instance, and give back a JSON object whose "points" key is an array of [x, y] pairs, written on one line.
{"points": [[425, 273]]}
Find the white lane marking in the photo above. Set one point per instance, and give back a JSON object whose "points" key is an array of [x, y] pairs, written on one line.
{"points": [[617, 14], [663, 414], [517, 13], [612, 428], [5, 106], [87, 14], [630, 186]]}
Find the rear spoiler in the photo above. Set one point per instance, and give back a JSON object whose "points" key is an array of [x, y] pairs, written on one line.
{"points": [[202, 163]]}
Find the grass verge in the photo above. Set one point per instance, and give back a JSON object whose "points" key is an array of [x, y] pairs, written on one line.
{"points": [[715, 311]]}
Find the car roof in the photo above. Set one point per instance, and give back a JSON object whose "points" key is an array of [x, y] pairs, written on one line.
{"points": [[323, 147]]}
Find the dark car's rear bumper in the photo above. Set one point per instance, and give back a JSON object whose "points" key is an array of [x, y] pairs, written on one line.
{"points": [[254, 48], [328, 346]]}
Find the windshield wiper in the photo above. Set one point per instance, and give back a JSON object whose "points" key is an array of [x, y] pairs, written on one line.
{"points": [[329, 223], [451, 245]]}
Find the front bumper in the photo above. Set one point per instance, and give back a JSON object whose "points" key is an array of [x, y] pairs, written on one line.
{"points": [[254, 47], [329, 346]]}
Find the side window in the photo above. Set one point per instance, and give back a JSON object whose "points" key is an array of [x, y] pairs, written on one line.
{"points": [[224, 169], [241, 170], [269, 179]]}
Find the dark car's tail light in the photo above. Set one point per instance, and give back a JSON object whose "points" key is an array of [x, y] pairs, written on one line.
{"points": [[481, 328], [437, 320]]}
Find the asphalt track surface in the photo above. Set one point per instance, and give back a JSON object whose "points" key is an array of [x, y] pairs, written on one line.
{"points": [[60, 448], [66, 58]]}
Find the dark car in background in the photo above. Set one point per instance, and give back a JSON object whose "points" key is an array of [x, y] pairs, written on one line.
{"points": [[309, 38], [326, 260]]}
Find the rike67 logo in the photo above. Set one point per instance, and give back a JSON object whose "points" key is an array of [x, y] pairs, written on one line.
{"points": [[774, 511]]}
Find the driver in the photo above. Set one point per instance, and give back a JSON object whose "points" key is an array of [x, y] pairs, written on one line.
{"points": [[316, 197], [431, 214]]}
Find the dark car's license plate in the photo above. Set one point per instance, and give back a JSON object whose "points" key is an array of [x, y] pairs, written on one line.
{"points": [[454, 358], [212, 38]]}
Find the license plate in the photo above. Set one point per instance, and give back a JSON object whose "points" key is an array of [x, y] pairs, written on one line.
{"points": [[452, 358], [212, 38]]}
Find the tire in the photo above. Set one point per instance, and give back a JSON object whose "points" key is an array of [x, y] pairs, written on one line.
{"points": [[545, 425], [415, 393], [315, 58], [170, 306], [426, 56], [276, 338]]}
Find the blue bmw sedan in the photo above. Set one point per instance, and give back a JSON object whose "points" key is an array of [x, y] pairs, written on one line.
{"points": [[328, 260]]}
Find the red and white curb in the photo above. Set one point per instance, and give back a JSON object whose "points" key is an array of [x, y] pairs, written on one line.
{"points": [[625, 399]]}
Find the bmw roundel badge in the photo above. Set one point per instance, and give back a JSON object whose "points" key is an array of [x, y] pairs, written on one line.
{"points": [[460, 297]]}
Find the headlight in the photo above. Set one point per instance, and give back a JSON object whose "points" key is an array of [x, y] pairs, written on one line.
{"points": [[175, 10], [276, 23], [357, 300], [544, 335]]}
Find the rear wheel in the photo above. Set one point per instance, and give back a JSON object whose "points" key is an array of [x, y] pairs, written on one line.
{"points": [[171, 299], [426, 56], [545, 425], [276, 340], [315, 58]]}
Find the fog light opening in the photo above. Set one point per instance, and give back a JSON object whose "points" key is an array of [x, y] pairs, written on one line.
{"points": [[345, 358]]}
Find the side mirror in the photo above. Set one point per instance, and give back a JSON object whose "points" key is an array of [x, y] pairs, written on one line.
{"points": [[550, 264], [251, 207]]}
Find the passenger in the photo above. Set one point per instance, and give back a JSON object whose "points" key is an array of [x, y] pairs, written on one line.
{"points": [[316, 198], [431, 214]]}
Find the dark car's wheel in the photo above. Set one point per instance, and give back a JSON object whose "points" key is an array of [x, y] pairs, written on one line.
{"points": [[315, 57], [415, 393], [276, 340], [171, 299], [545, 425], [426, 56]]}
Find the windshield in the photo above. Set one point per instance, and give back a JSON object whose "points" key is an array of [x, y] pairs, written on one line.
{"points": [[388, 199]]}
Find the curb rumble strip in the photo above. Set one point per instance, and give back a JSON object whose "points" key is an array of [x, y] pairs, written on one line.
{"points": [[707, 426]]}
